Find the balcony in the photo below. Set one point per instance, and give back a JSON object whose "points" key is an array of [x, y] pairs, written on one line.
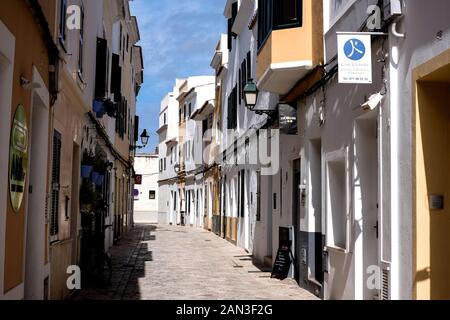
{"points": [[204, 111], [290, 43], [162, 129]]}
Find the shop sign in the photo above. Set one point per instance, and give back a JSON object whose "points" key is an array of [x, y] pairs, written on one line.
{"points": [[355, 58], [287, 119], [138, 179], [18, 158]]}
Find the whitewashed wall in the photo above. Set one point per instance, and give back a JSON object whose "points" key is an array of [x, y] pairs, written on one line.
{"points": [[146, 209]]}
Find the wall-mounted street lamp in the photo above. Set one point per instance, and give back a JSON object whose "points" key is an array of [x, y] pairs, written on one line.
{"points": [[251, 98], [250, 94], [144, 139]]}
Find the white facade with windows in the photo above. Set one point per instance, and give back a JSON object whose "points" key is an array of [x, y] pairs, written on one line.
{"points": [[199, 95], [240, 178], [168, 156], [146, 207]]}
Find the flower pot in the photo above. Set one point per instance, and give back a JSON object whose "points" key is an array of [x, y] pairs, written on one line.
{"points": [[100, 179], [94, 176], [100, 114], [98, 106], [86, 171]]}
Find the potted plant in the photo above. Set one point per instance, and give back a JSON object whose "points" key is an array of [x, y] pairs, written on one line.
{"points": [[87, 164], [98, 106], [89, 197], [98, 169], [100, 180], [110, 108]]}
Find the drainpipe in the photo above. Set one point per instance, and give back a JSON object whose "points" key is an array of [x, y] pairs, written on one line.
{"points": [[397, 242]]}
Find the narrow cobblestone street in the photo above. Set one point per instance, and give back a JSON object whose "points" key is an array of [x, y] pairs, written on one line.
{"points": [[166, 263]]}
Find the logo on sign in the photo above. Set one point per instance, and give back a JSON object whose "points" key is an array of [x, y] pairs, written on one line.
{"points": [[354, 49]]}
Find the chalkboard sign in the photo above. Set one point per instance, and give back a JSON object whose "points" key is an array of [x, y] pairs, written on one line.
{"points": [[283, 261]]}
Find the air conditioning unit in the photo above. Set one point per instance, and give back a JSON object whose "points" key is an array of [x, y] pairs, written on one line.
{"points": [[392, 9]]}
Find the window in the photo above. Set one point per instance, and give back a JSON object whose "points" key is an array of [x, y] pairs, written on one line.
{"points": [[123, 51], [81, 43], [232, 109], [165, 164], [274, 201], [242, 193], [56, 174], [287, 13], [337, 206], [245, 74], [120, 38], [278, 14], [121, 118], [165, 118], [190, 109], [100, 68], [116, 77], [258, 196], [189, 202], [62, 21], [234, 12], [152, 195]]}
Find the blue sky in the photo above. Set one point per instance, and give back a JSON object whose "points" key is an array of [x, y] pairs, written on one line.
{"points": [[178, 39]]}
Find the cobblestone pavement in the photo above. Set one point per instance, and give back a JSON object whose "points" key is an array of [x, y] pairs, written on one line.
{"points": [[157, 262]]}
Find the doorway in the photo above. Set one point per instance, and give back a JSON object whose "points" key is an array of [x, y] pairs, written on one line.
{"points": [[366, 202], [297, 204], [74, 210], [36, 234], [432, 184], [316, 235]]}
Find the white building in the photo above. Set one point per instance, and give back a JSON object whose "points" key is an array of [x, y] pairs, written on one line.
{"points": [[247, 221], [147, 192], [374, 183], [194, 94], [169, 155]]}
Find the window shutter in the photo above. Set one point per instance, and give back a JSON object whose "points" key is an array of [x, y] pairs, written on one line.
{"points": [[100, 71], [119, 106], [258, 197], [241, 86], [116, 77], [56, 173], [249, 65], [235, 103], [230, 110], [136, 128], [244, 76], [243, 193], [125, 119], [230, 37]]}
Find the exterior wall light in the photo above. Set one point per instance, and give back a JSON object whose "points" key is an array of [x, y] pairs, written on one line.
{"points": [[144, 139], [250, 94], [251, 98]]}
